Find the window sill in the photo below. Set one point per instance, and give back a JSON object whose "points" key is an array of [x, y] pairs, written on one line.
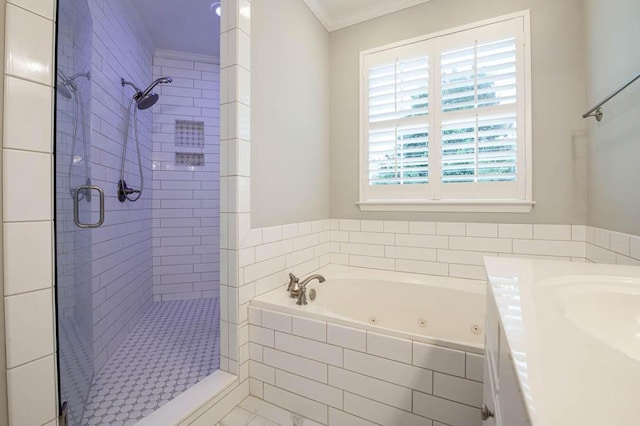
{"points": [[464, 206]]}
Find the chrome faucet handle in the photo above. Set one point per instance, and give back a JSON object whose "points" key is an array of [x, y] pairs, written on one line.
{"points": [[302, 296], [293, 282]]}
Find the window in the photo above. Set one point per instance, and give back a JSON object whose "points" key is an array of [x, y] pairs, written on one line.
{"points": [[446, 121]]}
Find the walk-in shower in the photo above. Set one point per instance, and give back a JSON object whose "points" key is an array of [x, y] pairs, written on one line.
{"points": [[137, 283]]}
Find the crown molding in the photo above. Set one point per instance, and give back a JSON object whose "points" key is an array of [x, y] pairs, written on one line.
{"points": [[186, 56], [332, 23]]}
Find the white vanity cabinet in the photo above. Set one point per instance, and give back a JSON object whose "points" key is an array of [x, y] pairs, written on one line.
{"points": [[502, 397]]}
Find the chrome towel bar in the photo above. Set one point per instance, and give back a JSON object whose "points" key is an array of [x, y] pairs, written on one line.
{"points": [[596, 111]]}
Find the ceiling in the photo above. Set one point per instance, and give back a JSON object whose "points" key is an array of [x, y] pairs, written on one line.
{"points": [[336, 14], [182, 25], [190, 26]]}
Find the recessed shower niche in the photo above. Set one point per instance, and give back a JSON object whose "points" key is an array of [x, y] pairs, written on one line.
{"points": [[137, 234]]}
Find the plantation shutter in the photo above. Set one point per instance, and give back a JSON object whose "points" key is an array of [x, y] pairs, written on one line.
{"points": [[478, 146], [444, 118]]}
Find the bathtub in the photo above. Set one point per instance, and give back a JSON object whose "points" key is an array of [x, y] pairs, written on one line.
{"points": [[391, 348], [426, 308]]}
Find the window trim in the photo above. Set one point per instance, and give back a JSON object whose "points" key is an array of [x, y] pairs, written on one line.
{"points": [[520, 205]]}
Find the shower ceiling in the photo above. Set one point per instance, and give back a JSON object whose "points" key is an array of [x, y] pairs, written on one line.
{"points": [[181, 25]]}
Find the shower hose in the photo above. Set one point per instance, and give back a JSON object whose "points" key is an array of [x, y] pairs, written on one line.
{"points": [[128, 193]]}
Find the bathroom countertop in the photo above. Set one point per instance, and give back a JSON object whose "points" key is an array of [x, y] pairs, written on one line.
{"points": [[573, 330]]}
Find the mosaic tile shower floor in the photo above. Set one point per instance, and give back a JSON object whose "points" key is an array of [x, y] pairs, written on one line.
{"points": [[175, 345]]}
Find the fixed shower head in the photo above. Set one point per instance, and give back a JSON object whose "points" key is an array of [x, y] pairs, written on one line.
{"points": [[161, 80], [66, 86], [145, 99], [63, 90]]}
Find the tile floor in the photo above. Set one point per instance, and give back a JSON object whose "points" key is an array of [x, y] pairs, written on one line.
{"points": [[256, 412], [175, 345]]}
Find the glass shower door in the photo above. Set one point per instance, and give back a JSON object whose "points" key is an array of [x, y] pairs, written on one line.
{"points": [[77, 206]]}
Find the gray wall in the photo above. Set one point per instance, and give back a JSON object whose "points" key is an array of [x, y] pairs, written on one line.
{"points": [[612, 35], [558, 80], [289, 115]]}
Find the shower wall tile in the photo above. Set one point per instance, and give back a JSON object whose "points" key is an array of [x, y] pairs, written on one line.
{"points": [[124, 242], [27, 244], [44, 8], [186, 245], [26, 197]]}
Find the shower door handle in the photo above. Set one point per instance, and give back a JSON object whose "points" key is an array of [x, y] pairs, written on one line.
{"points": [[76, 206]]}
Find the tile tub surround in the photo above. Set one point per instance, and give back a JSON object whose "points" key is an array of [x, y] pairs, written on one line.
{"points": [[315, 369]]}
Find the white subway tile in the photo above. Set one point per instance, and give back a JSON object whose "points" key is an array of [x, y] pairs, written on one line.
{"points": [[620, 243], [635, 247], [311, 349], [422, 228], [471, 272], [440, 359], [276, 321], [271, 250], [32, 392], [418, 267], [263, 269], [255, 316], [475, 367], [601, 237], [599, 255], [262, 336], [26, 199], [549, 248], [488, 230], [362, 249], [410, 253], [389, 347], [262, 372], [396, 227], [552, 232], [308, 368], [271, 234], [337, 417], [498, 245], [522, 231], [390, 371], [44, 8], [290, 230], [29, 327], [339, 236], [449, 412], [255, 352], [457, 389], [450, 228], [309, 328], [380, 413], [349, 225], [27, 103], [347, 337], [27, 244], [28, 45], [256, 389], [372, 226], [299, 256], [368, 387], [371, 238], [462, 257], [578, 232], [371, 262], [320, 392], [426, 241], [297, 404]]}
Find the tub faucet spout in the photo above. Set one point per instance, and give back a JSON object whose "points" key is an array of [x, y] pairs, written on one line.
{"points": [[302, 288]]}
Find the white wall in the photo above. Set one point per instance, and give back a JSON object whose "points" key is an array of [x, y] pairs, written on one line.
{"points": [[558, 99], [289, 114], [186, 199], [613, 57]]}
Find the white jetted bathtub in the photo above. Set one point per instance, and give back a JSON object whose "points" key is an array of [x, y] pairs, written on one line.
{"points": [[442, 310], [390, 348]]}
